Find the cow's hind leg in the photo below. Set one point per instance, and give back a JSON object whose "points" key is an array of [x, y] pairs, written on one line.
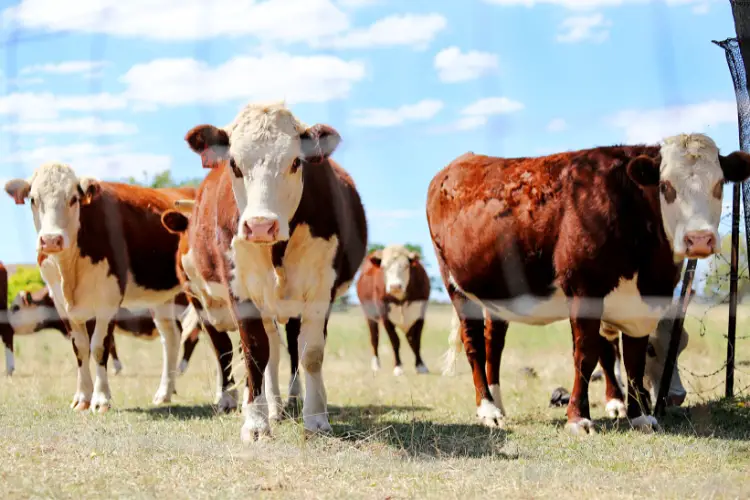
{"points": [[494, 341], [165, 321], [101, 345], [227, 393], [10, 361], [585, 314], [188, 348], [634, 355], [609, 360], [390, 329], [116, 363], [295, 384]]}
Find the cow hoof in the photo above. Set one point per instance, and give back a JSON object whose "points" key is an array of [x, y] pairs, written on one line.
{"points": [[100, 408], [581, 427], [616, 409], [398, 371], [183, 366], [646, 423], [117, 364], [253, 430], [317, 424], [80, 402], [375, 364], [422, 369], [228, 401], [82, 406], [490, 415], [100, 402], [163, 395]]}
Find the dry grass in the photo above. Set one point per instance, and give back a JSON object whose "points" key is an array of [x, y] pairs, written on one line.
{"points": [[408, 437]]}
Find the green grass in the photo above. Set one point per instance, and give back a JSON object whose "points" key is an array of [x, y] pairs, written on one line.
{"points": [[409, 437]]}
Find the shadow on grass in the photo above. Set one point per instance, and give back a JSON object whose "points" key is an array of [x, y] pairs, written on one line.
{"points": [[401, 427], [179, 412]]}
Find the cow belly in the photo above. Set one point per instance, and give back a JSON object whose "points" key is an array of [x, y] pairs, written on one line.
{"points": [[308, 275], [405, 315], [137, 334], [625, 309], [138, 297]]}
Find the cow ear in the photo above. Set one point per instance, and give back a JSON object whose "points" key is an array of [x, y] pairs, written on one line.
{"points": [[644, 171], [211, 143], [174, 221], [413, 257], [89, 188], [18, 189], [319, 142], [736, 166], [376, 257]]}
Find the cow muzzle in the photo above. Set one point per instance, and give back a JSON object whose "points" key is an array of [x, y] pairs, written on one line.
{"points": [[676, 398], [700, 244], [396, 290], [51, 243], [260, 230]]}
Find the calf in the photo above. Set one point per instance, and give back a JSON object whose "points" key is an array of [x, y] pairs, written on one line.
{"points": [[393, 287], [31, 312], [101, 248], [596, 235], [278, 232]]}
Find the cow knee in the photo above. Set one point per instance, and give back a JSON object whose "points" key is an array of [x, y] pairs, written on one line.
{"points": [[312, 359]]}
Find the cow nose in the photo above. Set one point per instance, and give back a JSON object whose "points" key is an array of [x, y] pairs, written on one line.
{"points": [[700, 243], [395, 288], [51, 243], [676, 399], [261, 230]]}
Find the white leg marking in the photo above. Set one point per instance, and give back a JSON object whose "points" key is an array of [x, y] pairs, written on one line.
{"points": [[312, 350], [616, 409], [398, 371], [10, 362], [183, 366], [645, 423], [256, 417], [422, 369], [581, 428], [489, 414], [170, 338], [271, 375], [375, 364], [497, 396], [102, 398], [117, 365], [84, 385]]}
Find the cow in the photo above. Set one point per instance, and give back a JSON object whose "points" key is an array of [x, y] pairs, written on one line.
{"points": [[278, 232], [594, 235], [393, 287], [101, 247]]}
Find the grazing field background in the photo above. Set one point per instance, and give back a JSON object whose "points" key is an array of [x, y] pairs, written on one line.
{"points": [[408, 437]]}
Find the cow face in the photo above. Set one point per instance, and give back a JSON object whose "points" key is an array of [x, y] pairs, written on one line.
{"points": [[396, 262], [31, 312], [656, 357], [690, 178], [265, 150], [56, 195]]}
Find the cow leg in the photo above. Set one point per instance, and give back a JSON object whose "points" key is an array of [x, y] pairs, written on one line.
{"points": [[188, 347], [292, 339], [372, 324], [10, 361], [227, 394], [312, 346], [271, 376], [165, 321], [414, 337], [609, 360], [390, 329], [79, 339], [116, 363], [101, 344], [634, 355], [494, 343], [255, 347], [585, 314]]}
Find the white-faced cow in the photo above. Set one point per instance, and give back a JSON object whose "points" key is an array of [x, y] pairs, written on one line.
{"points": [[596, 235], [102, 247], [393, 287], [278, 232]]}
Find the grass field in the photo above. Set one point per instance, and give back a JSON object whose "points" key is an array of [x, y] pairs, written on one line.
{"points": [[408, 437]]}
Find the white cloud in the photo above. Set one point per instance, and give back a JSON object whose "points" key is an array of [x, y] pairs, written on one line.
{"points": [[271, 76], [30, 106], [584, 4], [66, 68], [103, 162], [359, 3], [84, 126], [557, 125], [477, 114], [652, 125], [454, 66], [385, 117], [592, 28], [702, 8], [402, 29]]}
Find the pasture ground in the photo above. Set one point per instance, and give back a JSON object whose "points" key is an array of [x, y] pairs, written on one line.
{"points": [[409, 437]]}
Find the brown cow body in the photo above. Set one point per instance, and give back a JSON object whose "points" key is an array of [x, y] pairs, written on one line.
{"points": [[584, 235], [278, 232], [395, 305], [102, 248]]}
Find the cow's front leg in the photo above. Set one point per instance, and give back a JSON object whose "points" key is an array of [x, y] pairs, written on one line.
{"points": [[79, 339], [585, 314], [609, 359], [165, 320], [101, 343], [634, 355], [312, 343], [255, 347]]}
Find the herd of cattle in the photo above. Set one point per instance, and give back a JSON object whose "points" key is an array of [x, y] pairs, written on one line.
{"points": [[276, 232]]}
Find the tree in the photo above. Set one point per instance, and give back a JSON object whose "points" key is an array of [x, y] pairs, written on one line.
{"points": [[717, 278], [25, 278]]}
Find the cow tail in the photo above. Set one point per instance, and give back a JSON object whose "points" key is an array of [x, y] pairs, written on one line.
{"points": [[455, 346]]}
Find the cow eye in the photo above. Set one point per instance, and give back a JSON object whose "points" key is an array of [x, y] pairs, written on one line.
{"points": [[668, 191], [235, 170], [32, 200], [73, 200]]}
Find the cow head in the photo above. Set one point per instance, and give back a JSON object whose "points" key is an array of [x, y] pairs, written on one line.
{"points": [[56, 195], [656, 357], [265, 150], [690, 178], [396, 262], [30, 312]]}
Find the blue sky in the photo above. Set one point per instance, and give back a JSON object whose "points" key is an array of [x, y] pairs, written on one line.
{"points": [[112, 86]]}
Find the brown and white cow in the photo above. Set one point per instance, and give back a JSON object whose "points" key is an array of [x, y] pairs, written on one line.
{"points": [[101, 248], [393, 287], [596, 235], [278, 232]]}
